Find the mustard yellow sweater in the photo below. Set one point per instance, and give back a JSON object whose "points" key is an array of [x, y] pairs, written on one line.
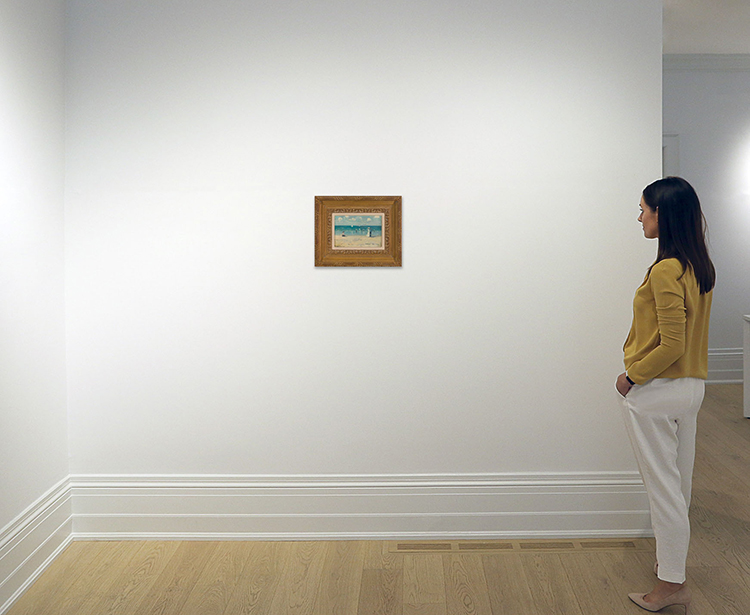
{"points": [[669, 335]]}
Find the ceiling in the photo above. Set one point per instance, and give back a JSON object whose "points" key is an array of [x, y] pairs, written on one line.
{"points": [[707, 26]]}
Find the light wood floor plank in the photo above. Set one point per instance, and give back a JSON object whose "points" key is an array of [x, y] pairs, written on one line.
{"points": [[424, 583], [465, 585], [625, 572], [381, 592], [135, 579], [700, 603], [260, 580], [219, 579], [110, 558], [592, 585], [715, 475], [301, 579], [702, 551], [172, 589], [725, 403], [726, 444], [721, 589], [508, 587], [379, 557], [549, 585], [341, 580], [724, 535]]}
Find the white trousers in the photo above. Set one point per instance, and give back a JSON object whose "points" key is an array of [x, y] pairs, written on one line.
{"points": [[660, 417]]}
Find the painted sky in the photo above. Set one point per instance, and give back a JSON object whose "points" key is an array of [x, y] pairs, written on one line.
{"points": [[357, 220]]}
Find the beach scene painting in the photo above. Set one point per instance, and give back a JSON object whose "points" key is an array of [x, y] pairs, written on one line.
{"points": [[358, 231]]}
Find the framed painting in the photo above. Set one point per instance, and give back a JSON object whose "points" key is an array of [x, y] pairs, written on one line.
{"points": [[357, 231]]}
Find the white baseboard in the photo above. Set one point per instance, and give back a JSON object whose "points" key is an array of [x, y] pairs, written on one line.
{"points": [[32, 541], [359, 507], [725, 366], [707, 61]]}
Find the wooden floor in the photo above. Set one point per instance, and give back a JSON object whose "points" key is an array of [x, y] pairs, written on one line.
{"points": [[557, 577]]}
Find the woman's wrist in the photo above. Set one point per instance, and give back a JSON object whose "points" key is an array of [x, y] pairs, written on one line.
{"points": [[623, 385], [629, 380]]}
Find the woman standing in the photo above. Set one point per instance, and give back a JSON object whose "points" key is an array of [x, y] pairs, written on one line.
{"points": [[666, 362]]}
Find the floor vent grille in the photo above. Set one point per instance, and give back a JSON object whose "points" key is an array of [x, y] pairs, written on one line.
{"points": [[523, 546]]}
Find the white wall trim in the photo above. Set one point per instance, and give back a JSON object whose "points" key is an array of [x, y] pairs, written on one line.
{"points": [[706, 61], [725, 366], [298, 507], [29, 543]]}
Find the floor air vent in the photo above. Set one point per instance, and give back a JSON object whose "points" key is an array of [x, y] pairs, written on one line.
{"points": [[523, 546]]}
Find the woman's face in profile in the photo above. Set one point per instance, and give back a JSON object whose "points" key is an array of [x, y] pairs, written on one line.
{"points": [[649, 218]]}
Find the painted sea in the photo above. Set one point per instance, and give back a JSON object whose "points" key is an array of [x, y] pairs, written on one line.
{"points": [[358, 232]]}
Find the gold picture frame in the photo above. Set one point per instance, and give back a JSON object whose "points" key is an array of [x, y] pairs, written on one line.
{"points": [[357, 231]]}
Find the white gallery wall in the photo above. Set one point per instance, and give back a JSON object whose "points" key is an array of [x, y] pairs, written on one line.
{"points": [[707, 115], [33, 422], [204, 346], [32, 329]]}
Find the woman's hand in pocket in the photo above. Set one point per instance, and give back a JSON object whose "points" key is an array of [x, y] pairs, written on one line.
{"points": [[622, 385]]}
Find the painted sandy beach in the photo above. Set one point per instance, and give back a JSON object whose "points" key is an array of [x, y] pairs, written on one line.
{"points": [[358, 232]]}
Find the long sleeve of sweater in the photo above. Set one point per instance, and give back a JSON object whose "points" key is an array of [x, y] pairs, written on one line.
{"points": [[669, 335]]}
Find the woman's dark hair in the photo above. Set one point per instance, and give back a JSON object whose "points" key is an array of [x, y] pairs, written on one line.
{"points": [[682, 228]]}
